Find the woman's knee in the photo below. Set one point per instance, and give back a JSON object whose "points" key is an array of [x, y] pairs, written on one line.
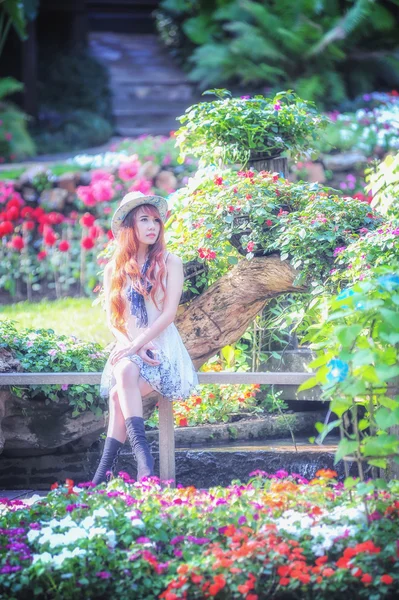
{"points": [[125, 371]]}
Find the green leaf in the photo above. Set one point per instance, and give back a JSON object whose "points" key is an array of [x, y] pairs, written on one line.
{"points": [[391, 317], [347, 335], [386, 372], [385, 418], [380, 445], [345, 448], [309, 383]]}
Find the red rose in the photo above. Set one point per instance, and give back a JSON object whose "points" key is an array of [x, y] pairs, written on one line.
{"points": [[387, 579], [50, 238], [6, 228], [17, 242], [12, 213], [87, 243], [250, 246], [366, 578], [63, 246], [41, 255], [87, 220]]}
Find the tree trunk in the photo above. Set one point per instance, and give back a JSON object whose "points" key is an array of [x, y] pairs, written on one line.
{"points": [[221, 314]]}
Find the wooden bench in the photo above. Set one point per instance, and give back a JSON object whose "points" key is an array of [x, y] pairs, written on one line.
{"points": [[166, 422]]}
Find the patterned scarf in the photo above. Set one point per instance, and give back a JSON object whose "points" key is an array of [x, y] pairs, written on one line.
{"points": [[136, 300]]}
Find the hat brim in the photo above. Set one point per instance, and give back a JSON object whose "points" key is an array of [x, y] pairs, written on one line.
{"points": [[124, 209]]}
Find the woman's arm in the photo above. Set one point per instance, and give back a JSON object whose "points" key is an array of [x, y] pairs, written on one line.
{"points": [[120, 337], [174, 287]]}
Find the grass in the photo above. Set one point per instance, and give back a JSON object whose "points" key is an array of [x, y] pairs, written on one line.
{"points": [[69, 316]]}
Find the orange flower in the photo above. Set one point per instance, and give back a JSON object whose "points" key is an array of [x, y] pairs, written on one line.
{"points": [[182, 569], [326, 473], [321, 560]]}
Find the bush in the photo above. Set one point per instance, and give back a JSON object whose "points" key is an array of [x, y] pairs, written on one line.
{"points": [[15, 141]]}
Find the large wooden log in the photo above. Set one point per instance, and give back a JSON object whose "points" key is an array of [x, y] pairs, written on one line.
{"points": [[221, 314]]}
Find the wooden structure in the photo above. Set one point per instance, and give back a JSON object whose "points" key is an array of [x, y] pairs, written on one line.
{"points": [[166, 423]]}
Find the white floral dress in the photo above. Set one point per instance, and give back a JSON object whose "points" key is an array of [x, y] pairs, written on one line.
{"points": [[175, 377]]}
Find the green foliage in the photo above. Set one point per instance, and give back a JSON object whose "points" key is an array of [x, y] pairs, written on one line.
{"points": [[384, 185], [357, 363], [263, 214], [15, 140], [230, 129], [43, 351], [322, 50]]}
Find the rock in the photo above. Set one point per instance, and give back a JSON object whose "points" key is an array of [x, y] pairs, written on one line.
{"points": [[29, 193], [149, 170], [316, 173], [166, 181], [53, 199], [28, 176], [32, 427], [346, 161], [67, 182], [8, 362]]}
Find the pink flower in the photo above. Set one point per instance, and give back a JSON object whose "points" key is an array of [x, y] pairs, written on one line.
{"points": [[86, 195], [250, 246], [52, 352], [8, 136], [395, 231], [129, 169], [64, 387], [100, 175], [102, 190], [29, 344], [339, 250], [277, 106], [141, 185]]}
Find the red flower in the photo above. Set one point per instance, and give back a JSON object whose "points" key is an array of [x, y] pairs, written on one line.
{"points": [[387, 579], [110, 235], [284, 581], [366, 578], [12, 213], [218, 180], [87, 243], [28, 225], [269, 223], [54, 486], [95, 231], [16, 201], [41, 255], [87, 220], [248, 197], [64, 246], [55, 218], [17, 242], [50, 238], [182, 422], [6, 228], [250, 246], [27, 212]]}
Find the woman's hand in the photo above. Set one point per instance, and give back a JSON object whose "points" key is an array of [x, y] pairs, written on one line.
{"points": [[132, 349]]}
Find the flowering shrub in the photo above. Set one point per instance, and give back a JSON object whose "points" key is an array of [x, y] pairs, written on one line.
{"points": [[357, 343], [42, 351], [302, 221], [213, 404], [373, 132], [277, 536], [258, 124]]}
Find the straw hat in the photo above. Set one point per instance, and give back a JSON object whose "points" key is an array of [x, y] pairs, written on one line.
{"points": [[132, 200]]}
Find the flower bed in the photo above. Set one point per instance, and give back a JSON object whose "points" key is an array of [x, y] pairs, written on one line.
{"points": [[277, 536]]}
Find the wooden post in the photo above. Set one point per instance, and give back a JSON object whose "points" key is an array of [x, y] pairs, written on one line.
{"points": [[167, 464]]}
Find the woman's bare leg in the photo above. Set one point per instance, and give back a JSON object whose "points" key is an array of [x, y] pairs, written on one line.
{"points": [[116, 421], [130, 388]]}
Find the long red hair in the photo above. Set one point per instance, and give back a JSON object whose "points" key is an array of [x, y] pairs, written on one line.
{"points": [[125, 257]]}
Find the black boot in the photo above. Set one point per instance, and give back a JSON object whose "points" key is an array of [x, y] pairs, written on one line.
{"points": [[136, 433], [108, 460]]}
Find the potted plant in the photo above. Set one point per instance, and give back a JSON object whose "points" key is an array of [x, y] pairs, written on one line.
{"points": [[243, 130]]}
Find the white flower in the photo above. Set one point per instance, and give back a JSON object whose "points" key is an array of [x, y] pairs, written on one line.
{"points": [[97, 531], [138, 523], [67, 522], [100, 512], [32, 535], [88, 522], [57, 539], [111, 537], [44, 558], [75, 534]]}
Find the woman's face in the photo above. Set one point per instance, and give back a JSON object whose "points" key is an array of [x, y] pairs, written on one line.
{"points": [[147, 227]]}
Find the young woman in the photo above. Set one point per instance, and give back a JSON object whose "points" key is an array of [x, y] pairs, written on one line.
{"points": [[143, 284]]}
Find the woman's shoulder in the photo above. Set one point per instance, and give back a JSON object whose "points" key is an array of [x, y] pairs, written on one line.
{"points": [[173, 259]]}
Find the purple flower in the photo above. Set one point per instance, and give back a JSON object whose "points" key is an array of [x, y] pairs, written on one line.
{"points": [[242, 520], [177, 553], [339, 250], [281, 474], [277, 106], [34, 525], [221, 501], [258, 473], [70, 507], [177, 539], [245, 97], [143, 540], [103, 574], [64, 387], [375, 516], [366, 97], [395, 231], [198, 541]]}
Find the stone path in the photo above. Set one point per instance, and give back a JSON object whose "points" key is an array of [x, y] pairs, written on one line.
{"points": [[149, 89]]}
